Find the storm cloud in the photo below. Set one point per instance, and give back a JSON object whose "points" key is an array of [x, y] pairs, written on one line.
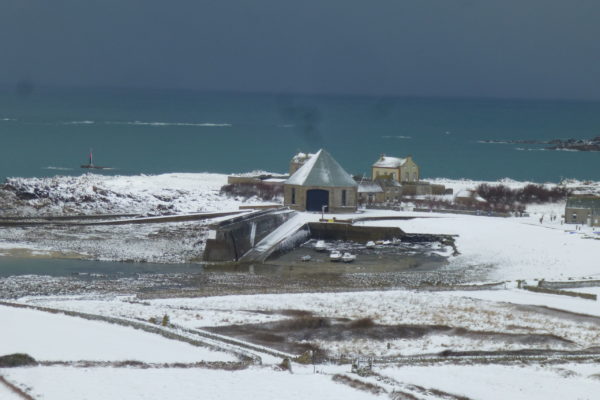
{"points": [[510, 48]]}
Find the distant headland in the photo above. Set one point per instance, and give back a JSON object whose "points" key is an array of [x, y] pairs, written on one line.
{"points": [[557, 144]]}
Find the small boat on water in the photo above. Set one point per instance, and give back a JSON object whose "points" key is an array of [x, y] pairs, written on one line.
{"points": [[320, 245], [335, 256], [90, 164], [306, 258], [370, 244], [347, 257]]}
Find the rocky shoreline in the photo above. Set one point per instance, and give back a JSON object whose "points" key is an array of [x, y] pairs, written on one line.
{"points": [[576, 144], [556, 144]]}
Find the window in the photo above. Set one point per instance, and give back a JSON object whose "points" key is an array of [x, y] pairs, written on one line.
{"points": [[343, 197], [293, 195]]}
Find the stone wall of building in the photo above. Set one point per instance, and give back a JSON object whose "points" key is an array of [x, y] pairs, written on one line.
{"points": [[335, 198], [583, 216]]}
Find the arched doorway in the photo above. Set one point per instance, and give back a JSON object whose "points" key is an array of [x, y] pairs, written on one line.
{"points": [[316, 199]]}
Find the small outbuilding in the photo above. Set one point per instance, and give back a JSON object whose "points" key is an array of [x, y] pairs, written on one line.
{"points": [[370, 192], [321, 184], [583, 209]]}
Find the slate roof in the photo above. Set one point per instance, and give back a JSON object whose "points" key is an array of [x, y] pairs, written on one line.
{"points": [[321, 170]]}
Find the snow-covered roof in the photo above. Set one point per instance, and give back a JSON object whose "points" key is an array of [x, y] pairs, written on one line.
{"points": [[469, 193], [321, 170], [301, 157], [274, 180], [389, 162], [369, 187]]}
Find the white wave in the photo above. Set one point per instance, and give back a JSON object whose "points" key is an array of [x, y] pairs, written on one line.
{"points": [[85, 122], [157, 123], [397, 137], [493, 142], [524, 149], [58, 168], [286, 126], [8, 119]]}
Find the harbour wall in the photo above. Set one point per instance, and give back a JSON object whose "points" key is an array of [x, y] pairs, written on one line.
{"points": [[233, 238]]}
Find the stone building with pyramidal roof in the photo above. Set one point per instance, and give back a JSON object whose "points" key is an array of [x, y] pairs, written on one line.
{"points": [[321, 182]]}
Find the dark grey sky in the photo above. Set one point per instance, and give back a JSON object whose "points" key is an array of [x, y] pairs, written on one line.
{"points": [[498, 48]]}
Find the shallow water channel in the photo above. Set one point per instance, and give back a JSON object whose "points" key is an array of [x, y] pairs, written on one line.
{"points": [[11, 266], [406, 266]]}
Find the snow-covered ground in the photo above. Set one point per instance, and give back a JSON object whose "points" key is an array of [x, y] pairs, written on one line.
{"points": [[499, 382], [56, 337], [7, 394], [538, 246], [516, 296], [138, 194], [455, 310], [515, 248], [63, 383]]}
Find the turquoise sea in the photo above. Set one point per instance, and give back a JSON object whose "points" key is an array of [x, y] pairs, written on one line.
{"points": [[49, 131]]}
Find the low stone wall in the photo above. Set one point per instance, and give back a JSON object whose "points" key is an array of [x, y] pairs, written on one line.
{"points": [[537, 289], [466, 212], [232, 179], [336, 231], [416, 189], [261, 207], [569, 284]]}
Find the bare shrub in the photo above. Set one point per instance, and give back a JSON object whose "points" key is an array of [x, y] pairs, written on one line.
{"points": [[305, 323], [499, 198], [531, 194], [17, 360], [361, 323], [248, 189]]}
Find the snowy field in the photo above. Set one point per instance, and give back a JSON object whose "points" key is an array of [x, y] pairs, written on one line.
{"points": [[499, 382], [7, 394], [49, 383], [55, 337], [481, 317], [516, 248], [489, 311], [515, 296]]}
